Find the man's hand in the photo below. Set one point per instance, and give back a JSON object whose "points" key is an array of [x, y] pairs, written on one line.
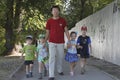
{"points": [[67, 33]]}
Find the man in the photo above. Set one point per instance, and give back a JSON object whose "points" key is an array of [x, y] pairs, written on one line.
{"points": [[55, 28]]}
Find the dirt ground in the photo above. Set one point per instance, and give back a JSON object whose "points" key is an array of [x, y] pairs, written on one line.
{"points": [[8, 65]]}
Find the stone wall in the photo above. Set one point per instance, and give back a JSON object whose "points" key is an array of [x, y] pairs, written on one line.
{"points": [[104, 30]]}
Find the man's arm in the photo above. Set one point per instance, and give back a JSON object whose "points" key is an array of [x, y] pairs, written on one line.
{"points": [[67, 33], [47, 35]]}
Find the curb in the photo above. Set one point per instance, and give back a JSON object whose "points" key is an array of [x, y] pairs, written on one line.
{"points": [[13, 74], [110, 75]]}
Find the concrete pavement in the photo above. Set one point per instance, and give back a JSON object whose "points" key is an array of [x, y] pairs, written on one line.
{"points": [[92, 73]]}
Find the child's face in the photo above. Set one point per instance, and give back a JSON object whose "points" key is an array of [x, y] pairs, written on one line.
{"points": [[29, 41], [73, 36], [84, 32], [41, 40]]}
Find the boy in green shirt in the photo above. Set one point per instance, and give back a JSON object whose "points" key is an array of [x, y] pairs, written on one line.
{"points": [[29, 50]]}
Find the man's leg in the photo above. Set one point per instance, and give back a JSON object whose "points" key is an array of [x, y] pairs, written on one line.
{"points": [[52, 53], [60, 57]]}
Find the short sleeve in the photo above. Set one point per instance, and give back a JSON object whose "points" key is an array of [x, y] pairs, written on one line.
{"points": [[68, 42], [48, 25], [89, 40], [64, 23], [78, 40]]}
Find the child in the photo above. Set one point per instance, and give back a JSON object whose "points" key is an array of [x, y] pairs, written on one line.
{"points": [[42, 50], [29, 51], [71, 55], [83, 45]]}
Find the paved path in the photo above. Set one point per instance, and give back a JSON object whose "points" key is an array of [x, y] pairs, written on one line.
{"points": [[92, 73]]}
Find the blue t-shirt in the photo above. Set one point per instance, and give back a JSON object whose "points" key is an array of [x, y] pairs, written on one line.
{"points": [[84, 42], [72, 49]]}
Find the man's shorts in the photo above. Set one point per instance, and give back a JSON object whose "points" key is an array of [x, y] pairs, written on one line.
{"points": [[28, 62]]}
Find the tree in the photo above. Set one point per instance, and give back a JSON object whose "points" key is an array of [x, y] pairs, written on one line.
{"points": [[21, 17], [79, 9], [11, 23], [24, 17]]}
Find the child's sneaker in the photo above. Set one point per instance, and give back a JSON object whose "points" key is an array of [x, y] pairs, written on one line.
{"points": [[71, 73], [27, 75], [31, 75], [82, 71], [40, 76]]}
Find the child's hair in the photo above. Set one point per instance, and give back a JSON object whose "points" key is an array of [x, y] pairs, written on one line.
{"points": [[73, 32], [29, 37], [55, 6], [83, 28], [42, 38]]}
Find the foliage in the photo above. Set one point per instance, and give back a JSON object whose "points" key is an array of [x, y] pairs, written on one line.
{"points": [[79, 9], [19, 18]]}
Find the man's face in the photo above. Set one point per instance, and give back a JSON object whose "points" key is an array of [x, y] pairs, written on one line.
{"points": [[55, 12]]}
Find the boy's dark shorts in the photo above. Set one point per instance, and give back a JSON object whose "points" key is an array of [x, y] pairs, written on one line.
{"points": [[84, 55], [28, 62]]}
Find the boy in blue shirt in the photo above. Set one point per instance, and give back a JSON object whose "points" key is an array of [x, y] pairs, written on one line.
{"points": [[84, 47]]}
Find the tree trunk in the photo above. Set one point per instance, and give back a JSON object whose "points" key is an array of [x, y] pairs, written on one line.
{"points": [[17, 13], [82, 8], [9, 28], [12, 23], [91, 6]]}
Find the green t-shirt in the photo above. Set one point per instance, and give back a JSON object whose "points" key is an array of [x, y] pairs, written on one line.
{"points": [[29, 51]]}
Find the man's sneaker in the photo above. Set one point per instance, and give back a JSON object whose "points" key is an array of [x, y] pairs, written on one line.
{"points": [[51, 78], [40, 76], [31, 75], [71, 73], [61, 73], [27, 75]]}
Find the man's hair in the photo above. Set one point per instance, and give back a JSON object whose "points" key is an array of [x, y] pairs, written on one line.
{"points": [[55, 6]]}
